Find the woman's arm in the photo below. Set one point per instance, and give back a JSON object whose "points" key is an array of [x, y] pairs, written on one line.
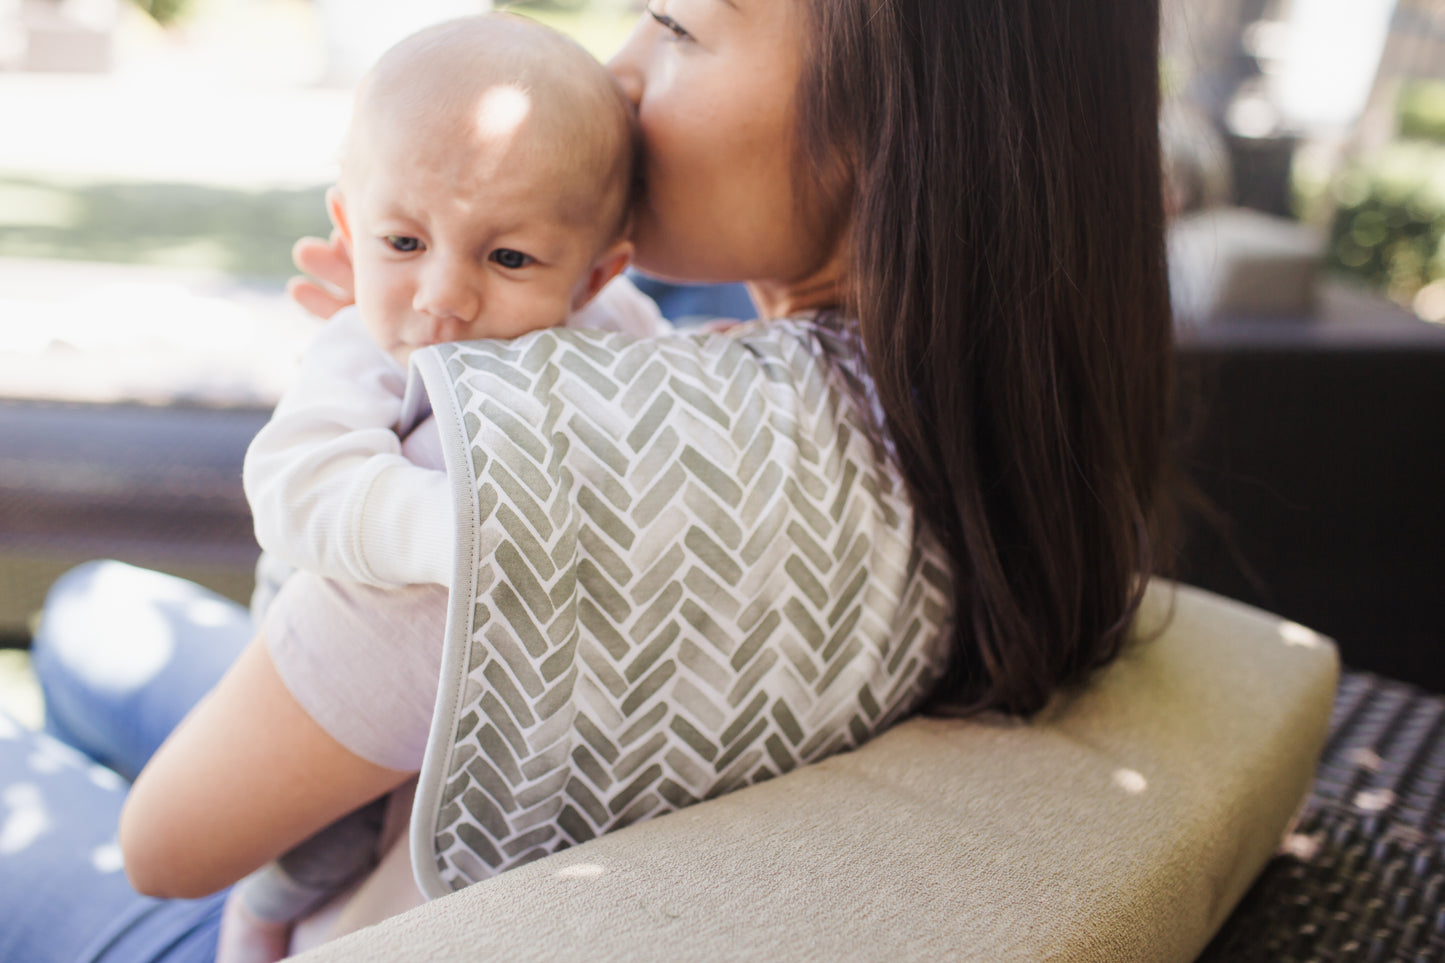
{"points": [[245, 777]]}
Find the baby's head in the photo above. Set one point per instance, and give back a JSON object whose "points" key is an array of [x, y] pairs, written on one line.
{"points": [[485, 183]]}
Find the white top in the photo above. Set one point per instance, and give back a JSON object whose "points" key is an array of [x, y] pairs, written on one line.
{"points": [[330, 488]]}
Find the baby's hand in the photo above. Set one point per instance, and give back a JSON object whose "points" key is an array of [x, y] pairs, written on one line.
{"points": [[329, 283], [246, 938]]}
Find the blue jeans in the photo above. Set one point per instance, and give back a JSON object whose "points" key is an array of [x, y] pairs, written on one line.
{"points": [[122, 654]]}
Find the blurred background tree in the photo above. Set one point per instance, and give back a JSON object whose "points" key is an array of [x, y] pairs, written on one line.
{"points": [[166, 12], [1331, 113], [1388, 228]]}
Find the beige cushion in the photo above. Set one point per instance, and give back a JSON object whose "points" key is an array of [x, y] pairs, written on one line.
{"points": [[1122, 825]]}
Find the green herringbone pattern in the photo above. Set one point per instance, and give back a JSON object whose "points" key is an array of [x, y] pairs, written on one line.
{"points": [[696, 570]]}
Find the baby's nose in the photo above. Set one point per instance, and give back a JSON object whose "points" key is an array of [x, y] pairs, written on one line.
{"points": [[448, 294]]}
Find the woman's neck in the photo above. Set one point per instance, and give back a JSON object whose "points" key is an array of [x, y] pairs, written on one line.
{"points": [[823, 288]]}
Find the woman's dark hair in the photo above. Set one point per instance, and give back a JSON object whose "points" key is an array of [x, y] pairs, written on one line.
{"points": [[999, 167]]}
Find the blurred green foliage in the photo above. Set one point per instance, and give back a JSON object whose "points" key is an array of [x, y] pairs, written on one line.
{"points": [[599, 25], [531, 7], [1422, 112], [166, 12], [1389, 224]]}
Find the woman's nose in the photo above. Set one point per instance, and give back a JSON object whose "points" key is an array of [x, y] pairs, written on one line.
{"points": [[626, 63]]}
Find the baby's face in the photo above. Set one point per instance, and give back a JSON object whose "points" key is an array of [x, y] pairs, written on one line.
{"points": [[452, 243]]}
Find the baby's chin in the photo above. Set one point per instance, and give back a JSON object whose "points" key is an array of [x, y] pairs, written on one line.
{"points": [[401, 353]]}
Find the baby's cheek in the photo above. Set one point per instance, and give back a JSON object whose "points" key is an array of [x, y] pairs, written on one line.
{"points": [[534, 311]]}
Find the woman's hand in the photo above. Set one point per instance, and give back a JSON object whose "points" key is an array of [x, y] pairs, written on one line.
{"points": [[329, 283], [245, 777]]}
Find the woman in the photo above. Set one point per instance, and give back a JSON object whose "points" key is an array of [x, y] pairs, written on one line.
{"points": [[977, 183]]}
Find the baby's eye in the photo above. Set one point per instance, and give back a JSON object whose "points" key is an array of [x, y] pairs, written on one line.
{"points": [[403, 244], [510, 259], [669, 24]]}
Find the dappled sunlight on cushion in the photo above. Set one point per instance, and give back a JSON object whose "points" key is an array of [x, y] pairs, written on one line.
{"points": [[123, 612], [107, 858], [105, 778], [1295, 634], [1130, 781], [52, 755], [581, 871], [24, 819], [210, 613]]}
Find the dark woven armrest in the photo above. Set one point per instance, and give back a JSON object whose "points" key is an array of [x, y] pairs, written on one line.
{"points": [[1363, 875]]}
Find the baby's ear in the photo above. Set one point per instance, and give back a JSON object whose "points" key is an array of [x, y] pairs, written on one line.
{"points": [[336, 207], [607, 266]]}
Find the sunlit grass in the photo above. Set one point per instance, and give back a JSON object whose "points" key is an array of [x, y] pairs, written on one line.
{"points": [[233, 230], [37, 205]]}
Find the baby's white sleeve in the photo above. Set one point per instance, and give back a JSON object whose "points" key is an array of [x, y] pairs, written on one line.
{"points": [[330, 487]]}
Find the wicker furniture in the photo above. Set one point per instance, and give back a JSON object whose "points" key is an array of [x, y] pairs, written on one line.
{"points": [[1363, 877]]}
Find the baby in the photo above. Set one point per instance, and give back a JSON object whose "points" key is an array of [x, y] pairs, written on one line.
{"points": [[484, 193]]}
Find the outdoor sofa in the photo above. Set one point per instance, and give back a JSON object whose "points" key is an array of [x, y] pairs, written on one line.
{"points": [[1123, 824]]}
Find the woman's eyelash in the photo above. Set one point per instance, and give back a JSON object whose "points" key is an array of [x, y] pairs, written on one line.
{"points": [[669, 24]]}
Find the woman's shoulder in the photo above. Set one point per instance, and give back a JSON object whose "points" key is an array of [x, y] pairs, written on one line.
{"points": [[796, 344], [790, 354], [825, 335], [802, 377]]}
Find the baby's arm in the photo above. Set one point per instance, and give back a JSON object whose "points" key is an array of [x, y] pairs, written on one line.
{"points": [[329, 487]]}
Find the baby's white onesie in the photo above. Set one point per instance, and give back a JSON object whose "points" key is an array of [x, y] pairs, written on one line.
{"points": [[330, 489]]}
